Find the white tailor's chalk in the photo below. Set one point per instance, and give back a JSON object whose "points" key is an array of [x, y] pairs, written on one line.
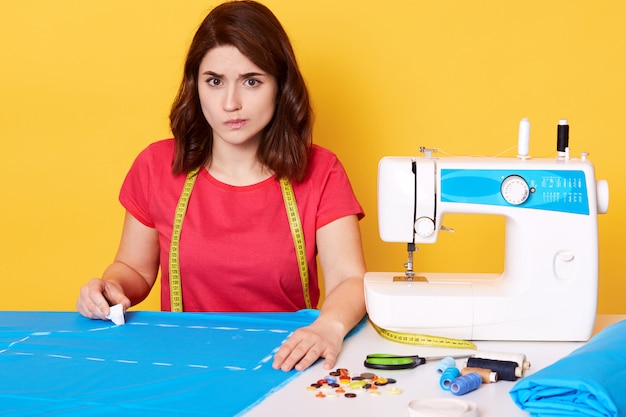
{"points": [[116, 314]]}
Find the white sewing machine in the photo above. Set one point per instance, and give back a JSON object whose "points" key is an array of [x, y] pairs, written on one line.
{"points": [[548, 289]]}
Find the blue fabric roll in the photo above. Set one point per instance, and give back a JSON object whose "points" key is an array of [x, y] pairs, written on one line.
{"points": [[591, 381]]}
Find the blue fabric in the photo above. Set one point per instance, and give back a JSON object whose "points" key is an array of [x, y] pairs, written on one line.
{"points": [[158, 364], [591, 381]]}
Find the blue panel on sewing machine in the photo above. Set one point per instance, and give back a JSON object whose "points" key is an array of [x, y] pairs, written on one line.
{"points": [[555, 190], [158, 364]]}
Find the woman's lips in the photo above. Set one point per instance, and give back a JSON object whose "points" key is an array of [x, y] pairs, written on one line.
{"points": [[235, 123]]}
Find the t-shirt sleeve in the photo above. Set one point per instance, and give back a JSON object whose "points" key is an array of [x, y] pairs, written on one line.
{"points": [[337, 199], [137, 188]]}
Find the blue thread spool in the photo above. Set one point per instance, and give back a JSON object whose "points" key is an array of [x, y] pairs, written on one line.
{"points": [[448, 376], [464, 384], [445, 363]]}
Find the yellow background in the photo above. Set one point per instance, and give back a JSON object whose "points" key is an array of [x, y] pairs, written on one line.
{"points": [[85, 85]]}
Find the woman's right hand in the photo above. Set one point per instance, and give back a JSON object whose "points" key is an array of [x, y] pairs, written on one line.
{"points": [[96, 297]]}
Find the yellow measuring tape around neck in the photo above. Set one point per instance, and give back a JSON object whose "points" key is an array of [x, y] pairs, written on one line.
{"points": [[423, 339], [298, 236], [176, 295]]}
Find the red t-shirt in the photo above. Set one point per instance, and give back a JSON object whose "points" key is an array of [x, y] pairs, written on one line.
{"points": [[236, 249]]}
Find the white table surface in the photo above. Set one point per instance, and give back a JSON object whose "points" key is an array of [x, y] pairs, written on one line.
{"points": [[493, 400]]}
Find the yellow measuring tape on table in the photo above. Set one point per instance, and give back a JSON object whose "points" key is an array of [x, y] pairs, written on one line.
{"points": [[176, 295], [423, 339]]}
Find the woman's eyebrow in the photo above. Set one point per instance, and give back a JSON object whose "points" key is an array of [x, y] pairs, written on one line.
{"points": [[213, 74], [245, 75]]}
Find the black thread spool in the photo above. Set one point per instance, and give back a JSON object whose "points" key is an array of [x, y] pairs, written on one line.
{"points": [[562, 136], [507, 370]]}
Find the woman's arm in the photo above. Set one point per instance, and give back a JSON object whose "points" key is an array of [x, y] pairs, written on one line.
{"points": [[343, 265], [129, 279]]}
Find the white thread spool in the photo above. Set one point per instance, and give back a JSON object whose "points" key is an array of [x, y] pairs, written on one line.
{"points": [[523, 139]]}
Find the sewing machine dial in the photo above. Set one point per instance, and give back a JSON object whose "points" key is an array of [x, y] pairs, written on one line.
{"points": [[424, 227], [515, 190]]}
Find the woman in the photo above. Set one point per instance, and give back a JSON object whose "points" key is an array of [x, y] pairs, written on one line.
{"points": [[210, 208]]}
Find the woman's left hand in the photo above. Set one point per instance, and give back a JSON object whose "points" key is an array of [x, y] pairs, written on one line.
{"points": [[307, 344], [341, 258]]}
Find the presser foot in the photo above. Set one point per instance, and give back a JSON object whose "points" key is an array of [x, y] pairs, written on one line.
{"points": [[412, 278]]}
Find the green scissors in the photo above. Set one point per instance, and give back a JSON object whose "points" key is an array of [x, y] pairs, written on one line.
{"points": [[391, 362]]}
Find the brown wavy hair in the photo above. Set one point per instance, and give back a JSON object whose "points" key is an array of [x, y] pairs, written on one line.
{"points": [[254, 30]]}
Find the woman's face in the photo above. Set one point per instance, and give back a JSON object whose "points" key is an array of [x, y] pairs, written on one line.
{"points": [[237, 97]]}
